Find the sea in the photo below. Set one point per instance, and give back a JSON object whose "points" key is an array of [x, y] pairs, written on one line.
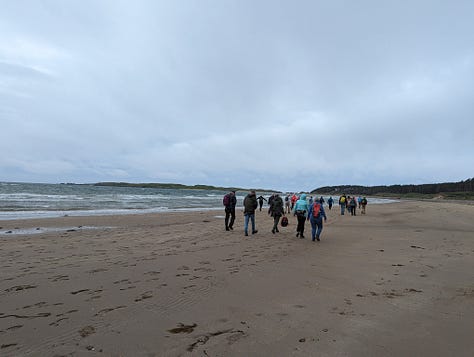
{"points": [[39, 200]]}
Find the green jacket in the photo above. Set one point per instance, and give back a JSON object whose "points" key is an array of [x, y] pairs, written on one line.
{"points": [[276, 208], [250, 204]]}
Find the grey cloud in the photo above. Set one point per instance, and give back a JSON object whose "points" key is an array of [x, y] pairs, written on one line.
{"points": [[291, 95]]}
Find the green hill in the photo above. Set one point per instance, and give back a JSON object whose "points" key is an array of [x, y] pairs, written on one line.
{"points": [[462, 190]]}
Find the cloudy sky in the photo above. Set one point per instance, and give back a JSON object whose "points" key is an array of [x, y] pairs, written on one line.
{"points": [[288, 95]]}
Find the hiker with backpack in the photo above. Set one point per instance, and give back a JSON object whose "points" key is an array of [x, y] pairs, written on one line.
{"points": [[276, 211], [229, 201], [363, 203], [300, 210], [330, 202], [315, 216], [342, 203], [353, 206]]}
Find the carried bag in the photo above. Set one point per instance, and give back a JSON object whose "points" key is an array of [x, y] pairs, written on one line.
{"points": [[226, 200], [300, 213], [316, 210], [284, 221]]}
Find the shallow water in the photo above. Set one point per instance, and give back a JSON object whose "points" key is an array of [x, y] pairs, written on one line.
{"points": [[32, 200]]}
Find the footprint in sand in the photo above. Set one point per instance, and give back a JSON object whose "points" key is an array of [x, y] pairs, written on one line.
{"points": [[7, 345], [109, 309], [15, 327], [182, 328], [128, 287], [392, 294], [86, 331], [121, 281], [41, 314], [56, 323], [20, 288], [411, 290], [38, 304], [153, 272], [145, 295], [67, 313], [79, 291]]}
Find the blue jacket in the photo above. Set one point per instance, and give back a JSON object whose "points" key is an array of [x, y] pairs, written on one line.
{"points": [[301, 204], [321, 210]]}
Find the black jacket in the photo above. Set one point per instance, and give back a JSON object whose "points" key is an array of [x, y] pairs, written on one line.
{"points": [[250, 203]]}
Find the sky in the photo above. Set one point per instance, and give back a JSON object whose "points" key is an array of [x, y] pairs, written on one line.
{"points": [[286, 95]]}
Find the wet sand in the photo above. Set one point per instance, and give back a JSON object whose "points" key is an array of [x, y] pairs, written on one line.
{"points": [[398, 281]]}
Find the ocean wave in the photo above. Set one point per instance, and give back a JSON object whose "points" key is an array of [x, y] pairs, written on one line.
{"points": [[13, 215]]}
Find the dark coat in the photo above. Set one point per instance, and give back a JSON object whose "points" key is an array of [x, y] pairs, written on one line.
{"points": [[276, 207], [250, 203]]}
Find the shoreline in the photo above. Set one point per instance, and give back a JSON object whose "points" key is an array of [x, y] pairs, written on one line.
{"points": [[397, 281]]}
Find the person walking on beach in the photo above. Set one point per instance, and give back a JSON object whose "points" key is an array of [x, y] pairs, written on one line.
{"points": [[315, 216], [342, 203], [229, 201], [330, 202], [260, 201], [294, 198], [287, 204], [250, 205], [300, 210], [363, 203], [276, 211], [353, 206]]}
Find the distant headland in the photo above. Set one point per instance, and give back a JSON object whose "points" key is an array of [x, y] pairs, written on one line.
{"points": [[176, 186]]}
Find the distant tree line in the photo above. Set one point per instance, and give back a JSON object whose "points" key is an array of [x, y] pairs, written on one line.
{"points": [[434, 188]]}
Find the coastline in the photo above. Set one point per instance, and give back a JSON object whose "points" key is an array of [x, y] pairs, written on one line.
{"points": [[397, 281]]}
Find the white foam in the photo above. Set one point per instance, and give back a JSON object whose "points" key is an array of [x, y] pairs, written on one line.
{"points": [[40, 230]]}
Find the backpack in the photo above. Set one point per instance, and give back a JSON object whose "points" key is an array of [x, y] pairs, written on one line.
{"points": [[316, 210], [226, 200], [286, 199], [343, 199]]}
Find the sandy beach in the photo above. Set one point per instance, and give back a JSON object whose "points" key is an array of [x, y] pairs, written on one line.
{"points": [[398, 281]]}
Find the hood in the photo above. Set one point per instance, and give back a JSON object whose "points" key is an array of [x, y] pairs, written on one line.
{"points": [[303, 197]]}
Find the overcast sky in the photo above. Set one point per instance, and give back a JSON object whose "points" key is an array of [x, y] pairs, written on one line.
{"points": [[288, 95]]}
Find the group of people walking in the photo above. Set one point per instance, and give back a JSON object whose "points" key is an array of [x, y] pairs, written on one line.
{"points": [[351, 203], [312, 210]]}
